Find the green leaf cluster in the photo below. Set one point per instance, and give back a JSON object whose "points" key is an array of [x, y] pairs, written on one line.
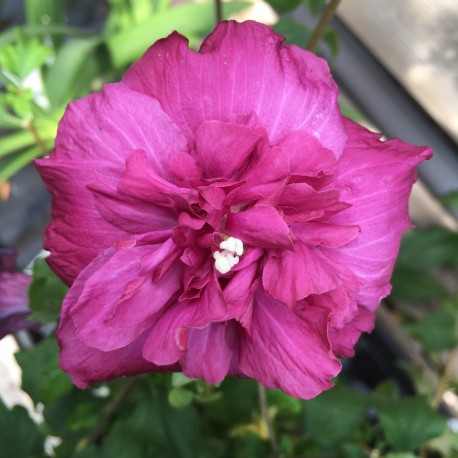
{"points": [[45, 64], [46, 293]]}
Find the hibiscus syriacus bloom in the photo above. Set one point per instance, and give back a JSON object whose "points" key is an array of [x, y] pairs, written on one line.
{"points": [[215, 213], [14, 298]]}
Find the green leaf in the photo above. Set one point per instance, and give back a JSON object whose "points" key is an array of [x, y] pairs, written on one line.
{"points": [[19, 435], [294, 32], [437, 331], [161, 5], [15, 141], [23, 57], [401, 455], [416, 286], [182, 428], [180, 397], [10, 35], [331, 38], [46, 293], [190, 19], [352, 451], [284, 5], [179, 379], [284, 402], [450, 199], [7, 119], [427, 248], [63, 75], [44, 12], [409, 422], [314, 5], [350, 111], [15, 163], [42, 378], [335, 415]]}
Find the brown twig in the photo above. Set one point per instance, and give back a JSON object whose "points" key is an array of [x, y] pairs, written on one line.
{"points": [[218, 10], [323, 23], [445, 377], [263, 407]]}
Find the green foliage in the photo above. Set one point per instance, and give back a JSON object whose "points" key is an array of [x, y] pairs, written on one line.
{"points": [[300, 34], [293, 31], [335, 416], [19, 59], [421, 252], [450, 199], [283, 6], [61, 79], [409, 422], [437, 331], [46, 293], [19, 435], [191, 19], [41, 377]]}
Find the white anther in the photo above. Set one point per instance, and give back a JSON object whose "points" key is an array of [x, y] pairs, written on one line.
{"points": [[230, 256], [222, 264], [233, 245]]}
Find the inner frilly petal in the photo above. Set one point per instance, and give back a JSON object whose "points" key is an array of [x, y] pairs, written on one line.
{"points": [[222, 148]]}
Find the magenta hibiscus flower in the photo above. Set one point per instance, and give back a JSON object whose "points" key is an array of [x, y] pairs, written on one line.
{"points": [[14, 298], [216, 214]]}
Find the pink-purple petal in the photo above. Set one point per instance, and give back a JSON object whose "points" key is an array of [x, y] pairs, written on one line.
{"points": [[375, 178], [260, 226], [244, 69], [293, 275], [223, 148], [208, 354], [288, 352]]}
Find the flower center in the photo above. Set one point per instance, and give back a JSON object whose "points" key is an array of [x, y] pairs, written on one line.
{"points": [[232, 249]]}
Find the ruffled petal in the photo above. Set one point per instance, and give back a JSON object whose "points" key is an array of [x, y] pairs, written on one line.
{"points": [[74, 208], [294, 275], [288, 352], [259, 226], [306, 156], [130, 214], [242, 69], [95, 137], [208, 354], [87, 365], [111, 317], [222, 148], [375, 178], [109, 125], [325, 235], [344, 337], [167, 340]]}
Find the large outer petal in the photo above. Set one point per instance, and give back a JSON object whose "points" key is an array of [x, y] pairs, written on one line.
{"points": [[87, 365], [286, 351], [95, 137], [242, 69], [376, 179], [209, 354], [112, 283]]}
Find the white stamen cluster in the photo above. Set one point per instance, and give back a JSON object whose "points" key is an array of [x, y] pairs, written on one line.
{"points": [[232, 249]]}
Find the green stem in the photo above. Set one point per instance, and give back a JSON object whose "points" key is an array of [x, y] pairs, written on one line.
{"points": [[445, 378], [264, 408], [322, 25], [38, 140], [96, 435]]}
